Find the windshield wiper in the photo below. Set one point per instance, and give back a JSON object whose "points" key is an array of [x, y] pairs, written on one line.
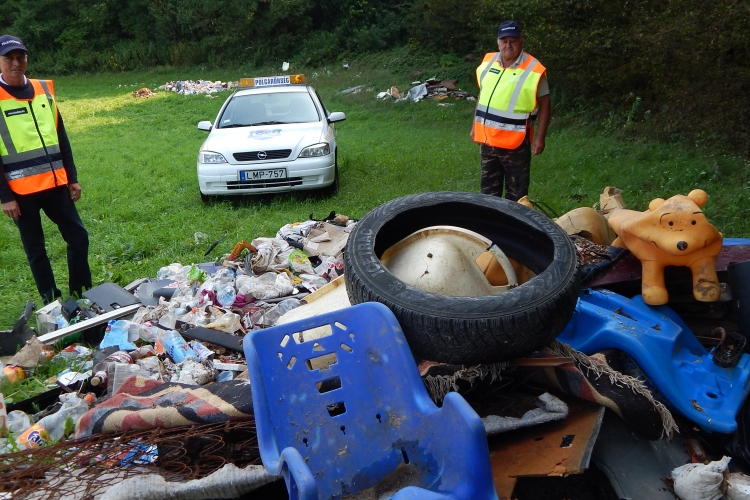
{"points": [[269, 123], [235, 125]]}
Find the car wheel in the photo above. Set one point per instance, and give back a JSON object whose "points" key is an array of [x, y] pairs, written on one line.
{"points": [[204, 197], [468, 330], [333, 188]]}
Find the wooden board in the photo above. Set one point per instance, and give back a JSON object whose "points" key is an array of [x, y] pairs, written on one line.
{"points": [[540, 450]]}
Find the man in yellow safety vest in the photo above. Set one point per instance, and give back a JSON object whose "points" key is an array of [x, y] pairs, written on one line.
{"points": [[37, 172], [513, 93]]}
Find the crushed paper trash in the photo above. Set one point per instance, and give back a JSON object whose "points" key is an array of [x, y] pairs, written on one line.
{"points": [[191, 87]]}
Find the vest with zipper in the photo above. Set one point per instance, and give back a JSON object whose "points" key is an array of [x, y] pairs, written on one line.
{"points": [[507, 102], [29, 144]]}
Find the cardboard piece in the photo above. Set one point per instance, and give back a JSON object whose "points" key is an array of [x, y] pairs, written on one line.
{"points": [[556, 448], [326, 239], [28, 357], [330, 297]]}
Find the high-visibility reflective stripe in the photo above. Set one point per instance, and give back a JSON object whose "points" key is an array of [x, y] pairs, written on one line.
{"points": [[496, 58], [45, 87], [511, 127], [520, 84], [489, 118], [50, 99], [30, 155], [35, 170], [5, 136], [42, 160]]}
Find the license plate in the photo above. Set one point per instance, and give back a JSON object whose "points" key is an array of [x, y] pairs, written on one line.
{"points": [[263, 175]]}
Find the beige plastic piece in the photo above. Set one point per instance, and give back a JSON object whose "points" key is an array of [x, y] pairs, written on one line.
{"points": [[443, 260], [495, 274], [525, 202], [610, 199], [587, 223]]}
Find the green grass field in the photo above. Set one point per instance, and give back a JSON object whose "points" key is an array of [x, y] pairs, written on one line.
{"points": [[136, 161]]}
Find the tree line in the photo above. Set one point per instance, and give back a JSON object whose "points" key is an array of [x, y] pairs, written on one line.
{"points": [[679, 67]]}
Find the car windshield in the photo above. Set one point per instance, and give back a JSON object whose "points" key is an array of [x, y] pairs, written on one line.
{"points": [[269, 109]]}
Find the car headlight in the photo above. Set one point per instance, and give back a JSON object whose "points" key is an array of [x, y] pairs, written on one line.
{"points": [[209, 157], [321, 149]]}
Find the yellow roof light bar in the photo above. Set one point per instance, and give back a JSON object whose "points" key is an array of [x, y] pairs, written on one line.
{"points": [[272, 81]]}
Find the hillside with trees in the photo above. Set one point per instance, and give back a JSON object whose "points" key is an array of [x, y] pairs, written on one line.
{"points": [[680, 70]]}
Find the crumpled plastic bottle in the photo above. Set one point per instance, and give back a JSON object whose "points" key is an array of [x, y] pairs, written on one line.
{"points": [[226, 294], [17, 422], [72, 408]]}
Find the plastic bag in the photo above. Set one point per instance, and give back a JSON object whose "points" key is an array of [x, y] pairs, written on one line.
{"points": [[738, 486], [330, 268], [148, 332], [116, 334], [699, 481], [266, 286], [299, 263], [150, 367], [229, 322], [175, 271], [272, 255], [296, 232], [194, 373], [312, 282], [197, 274], [224, 275]]}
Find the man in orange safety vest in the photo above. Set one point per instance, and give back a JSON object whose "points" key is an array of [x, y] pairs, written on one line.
{"points": [[37, 172], [513, 93]]}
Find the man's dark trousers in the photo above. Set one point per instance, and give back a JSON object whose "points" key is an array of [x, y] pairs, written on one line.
{"points": [[61, 210]]}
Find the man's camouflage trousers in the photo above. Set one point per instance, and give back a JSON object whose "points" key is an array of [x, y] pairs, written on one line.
{"points": [[509, 166]]}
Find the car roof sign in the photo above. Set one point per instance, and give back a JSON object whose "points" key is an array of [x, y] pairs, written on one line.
{"points": [[271, 81]]}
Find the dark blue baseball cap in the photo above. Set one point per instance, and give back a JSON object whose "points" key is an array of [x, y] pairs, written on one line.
{"points": [[509, 28], [10, 42]]}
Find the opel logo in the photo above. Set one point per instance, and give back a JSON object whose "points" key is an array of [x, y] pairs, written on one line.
{"points": [[262, 155]]}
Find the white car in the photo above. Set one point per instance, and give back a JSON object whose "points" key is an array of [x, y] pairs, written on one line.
{"points": [[271, 135]]}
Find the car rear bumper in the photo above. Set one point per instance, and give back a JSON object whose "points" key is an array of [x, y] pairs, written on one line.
{"points": [[303, 174]]}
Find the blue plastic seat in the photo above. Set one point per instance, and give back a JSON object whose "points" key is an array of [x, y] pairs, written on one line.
{"points": [[666, 350], [341, 410]]}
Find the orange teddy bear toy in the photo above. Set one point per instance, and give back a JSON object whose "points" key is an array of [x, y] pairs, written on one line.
{"points": [[674, 232]]}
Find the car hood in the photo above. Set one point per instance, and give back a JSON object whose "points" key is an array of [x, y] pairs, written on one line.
{"points": [[264, 138]]}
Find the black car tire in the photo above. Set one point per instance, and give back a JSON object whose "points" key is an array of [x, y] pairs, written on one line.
{"points": [[468, 330]]}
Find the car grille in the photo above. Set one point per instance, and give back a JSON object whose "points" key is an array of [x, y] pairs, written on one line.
{"points": [[258, 184], [278, 154]]}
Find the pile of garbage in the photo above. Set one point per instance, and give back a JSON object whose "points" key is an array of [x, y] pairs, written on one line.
{"points": [[190, 87], [186, 332], [437, 90], [144, 92], [139, 374]]}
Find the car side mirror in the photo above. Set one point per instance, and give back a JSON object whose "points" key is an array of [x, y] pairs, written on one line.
{"points": [[204, 125], [336, 116]]}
